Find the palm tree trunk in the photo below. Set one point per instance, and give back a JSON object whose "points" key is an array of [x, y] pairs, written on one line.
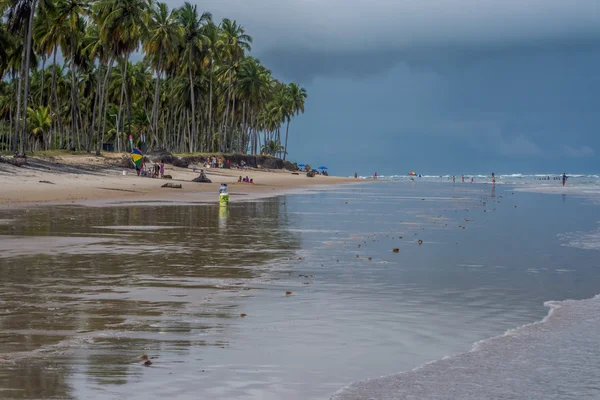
{"points": [[193, 98], [210, 99], [230, 147], [53, 87], [73, 105], [19, 94], [97, 104], [103, 106], [286, 139], [156, 97], [43, 75], [120, 113], [225, 115], [27, 66]]}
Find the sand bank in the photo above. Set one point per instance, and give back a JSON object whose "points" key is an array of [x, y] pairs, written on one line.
{"points": [[90, 179]]}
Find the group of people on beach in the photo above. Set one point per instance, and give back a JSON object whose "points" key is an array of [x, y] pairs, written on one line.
{"points": [[245, 180], [219, 162], [157, 170]]}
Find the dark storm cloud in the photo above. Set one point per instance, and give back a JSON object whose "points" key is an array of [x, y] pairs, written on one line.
{"points": [[303, 64], [308, 37], [435, 85]]}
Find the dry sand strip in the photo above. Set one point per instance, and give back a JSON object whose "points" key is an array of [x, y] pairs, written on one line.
{"points": [[87, 179]]}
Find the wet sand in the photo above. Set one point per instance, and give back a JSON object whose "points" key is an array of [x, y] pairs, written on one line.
{"points": [[202, 290], [93, 180]]}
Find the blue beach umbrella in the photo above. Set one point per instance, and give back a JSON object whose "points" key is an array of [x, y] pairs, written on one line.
{"points": [[322, 167], [301, 165], [314, 170]]}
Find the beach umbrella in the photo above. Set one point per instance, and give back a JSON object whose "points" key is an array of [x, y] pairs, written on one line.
{"points": [[322, 167], [301, 165], [314, 170], [412, 173], [137, 157]]}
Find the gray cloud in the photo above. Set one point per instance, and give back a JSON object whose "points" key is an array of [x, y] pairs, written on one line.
{"points": [[385, 24], [579, 151]]}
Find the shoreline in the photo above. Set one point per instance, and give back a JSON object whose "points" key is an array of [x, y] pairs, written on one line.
{"points": [[98, 181]]}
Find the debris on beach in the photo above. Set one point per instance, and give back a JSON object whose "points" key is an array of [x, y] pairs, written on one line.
{"points": [[306, 283], [369, 258], [172, 185], [288, 293], [243, 315], [51, 183], [421, 242], [396, 250]]}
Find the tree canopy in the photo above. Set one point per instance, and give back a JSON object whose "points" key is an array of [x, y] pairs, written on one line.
{"points": [[68, 80]]}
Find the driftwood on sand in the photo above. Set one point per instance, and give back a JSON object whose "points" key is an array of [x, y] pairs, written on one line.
{"points": [[172, 185]]}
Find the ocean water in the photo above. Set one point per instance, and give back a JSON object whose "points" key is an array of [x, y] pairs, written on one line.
{"points": [[303, 297], [512, 179]]}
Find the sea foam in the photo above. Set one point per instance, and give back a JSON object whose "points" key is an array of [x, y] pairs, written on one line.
{"points": [[555, 358]]}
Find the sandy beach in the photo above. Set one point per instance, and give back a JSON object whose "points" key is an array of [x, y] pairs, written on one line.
{"points": [[86, 179]]}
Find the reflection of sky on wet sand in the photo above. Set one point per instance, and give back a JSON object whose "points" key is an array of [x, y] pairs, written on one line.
{"points": [[81, 315]]}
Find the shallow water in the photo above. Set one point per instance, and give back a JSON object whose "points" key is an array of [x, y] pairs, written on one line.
{"points": [[86, 291]]}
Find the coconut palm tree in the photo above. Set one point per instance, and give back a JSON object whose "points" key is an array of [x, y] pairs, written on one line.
{"points": [[296, 96], [164, 37], [192, 24], [196, 86]]}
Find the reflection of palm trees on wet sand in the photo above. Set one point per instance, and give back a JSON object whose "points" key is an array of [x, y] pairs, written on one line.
{"points": [[149, 280]]}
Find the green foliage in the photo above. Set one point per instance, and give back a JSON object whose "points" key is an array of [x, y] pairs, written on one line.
{"points": [[196, 88]]}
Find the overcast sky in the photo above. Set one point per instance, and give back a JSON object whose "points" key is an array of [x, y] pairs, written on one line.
{"points": [[438, 86]]}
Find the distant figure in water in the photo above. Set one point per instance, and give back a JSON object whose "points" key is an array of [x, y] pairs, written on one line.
{"points": [[453, 179], [355, 175], [493, 179], [375, 175], [463, 179], [564, 178], [472, 180]]}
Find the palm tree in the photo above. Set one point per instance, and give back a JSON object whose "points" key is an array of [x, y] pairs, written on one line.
{"points": [[192, 25], [297, 97], [196, 86], [235, 43], [69, 16], [39, 123], [164, 37], [20, 20], [123, 24]]}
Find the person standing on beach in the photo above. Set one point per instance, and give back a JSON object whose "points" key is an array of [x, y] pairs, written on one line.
{"points": [[355, 175], [375, 175], [463, 179], [453, 179], [564, 178], [162, 169], [493, 179]]}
